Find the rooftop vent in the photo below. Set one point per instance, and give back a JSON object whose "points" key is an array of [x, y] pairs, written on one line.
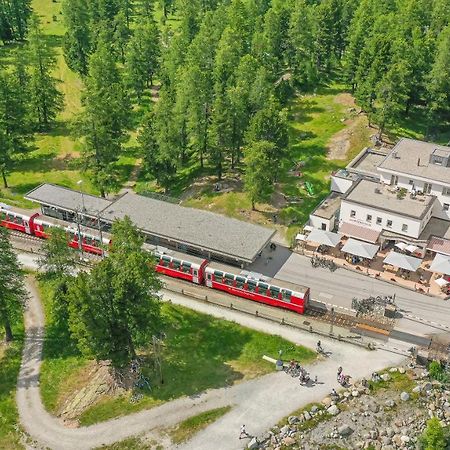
{"points": [[377, 190], [395, 155]]}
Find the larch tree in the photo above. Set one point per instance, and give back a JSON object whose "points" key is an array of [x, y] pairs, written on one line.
{"points": [[14, 16], [258, 177], [77, 40], [15, 129], [104, 121], [12, 289], [142, 57], [115, 309], [45, 99], [438, 82]]}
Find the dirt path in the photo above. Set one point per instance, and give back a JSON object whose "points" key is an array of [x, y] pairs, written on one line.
{"points": [[258, 403]]}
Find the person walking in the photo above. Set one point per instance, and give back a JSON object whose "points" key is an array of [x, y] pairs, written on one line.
{"points": [[339, 371], [243, 433]]}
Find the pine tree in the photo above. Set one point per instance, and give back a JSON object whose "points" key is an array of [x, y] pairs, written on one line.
{"points": [[438, 81], [104, 120], [142, 58], [14, 16], [12, 290], [114, 309], [45, 99], [15, 130], [77, 39], [258, 178], [121, 35]]}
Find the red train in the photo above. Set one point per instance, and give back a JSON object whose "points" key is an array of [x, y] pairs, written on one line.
{"points": [[38, 227], [196, 270]]}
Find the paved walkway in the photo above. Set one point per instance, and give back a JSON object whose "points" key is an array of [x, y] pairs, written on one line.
{"points": [[259, 403]]}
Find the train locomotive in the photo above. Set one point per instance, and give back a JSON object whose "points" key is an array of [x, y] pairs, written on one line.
{"points": [[249, 285]]}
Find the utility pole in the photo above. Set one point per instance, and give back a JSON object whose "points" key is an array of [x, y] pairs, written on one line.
{"points": [[80, 183], [157, 351], [332, 322], [100, 232], [80, 239]]}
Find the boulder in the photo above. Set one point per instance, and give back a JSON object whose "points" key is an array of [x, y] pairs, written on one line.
{"points": [[307, 415], [405, 439], [402, 370], [333, 410], [393, 369], [314, 409], [417, 389], [292, 420], [389, 403], [285, 430], [288, 441], [386, 377], [355, 393], [253, 444], [373, 434], [345, 430], [327, 402], [427, 386], [404, 396]]}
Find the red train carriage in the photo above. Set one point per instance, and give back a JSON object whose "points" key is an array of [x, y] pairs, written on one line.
{"points": [[178, 265], [16, 220], [255, 287], [89, 242], [41, 228]]}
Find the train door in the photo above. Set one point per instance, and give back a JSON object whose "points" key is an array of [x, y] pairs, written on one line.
{"points": [[26, 224], [195, 276]]}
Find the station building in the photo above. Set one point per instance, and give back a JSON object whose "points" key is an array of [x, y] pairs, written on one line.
{"points": [[166, 224]]}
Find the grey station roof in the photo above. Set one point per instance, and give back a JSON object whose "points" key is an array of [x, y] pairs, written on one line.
{"points": [[412, 157], [375, 195], [65, 198], [201, 229]]}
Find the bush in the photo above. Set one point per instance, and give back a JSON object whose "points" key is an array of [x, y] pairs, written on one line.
{"points": [[437, 372], [434, 437]]}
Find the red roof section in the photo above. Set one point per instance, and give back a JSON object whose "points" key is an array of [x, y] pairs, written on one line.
{"points": [[359, 232]]}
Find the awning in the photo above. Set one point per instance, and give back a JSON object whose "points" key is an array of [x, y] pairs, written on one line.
{"points": [[359, 232], [441, 264], [439, 245], [359, 248], [441, 282], [402, 261], [411, 248], [323, 237], [300, 237], [401, 245]]}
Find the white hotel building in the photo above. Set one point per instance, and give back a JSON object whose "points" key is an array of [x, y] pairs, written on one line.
{"points": [[397, 195]]}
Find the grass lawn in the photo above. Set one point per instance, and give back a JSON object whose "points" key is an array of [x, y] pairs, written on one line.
{"points": [[10, 357], [200, 352], [186, 429]]}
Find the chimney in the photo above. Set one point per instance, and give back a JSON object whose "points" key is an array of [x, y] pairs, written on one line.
{"points": [[418, 162]]}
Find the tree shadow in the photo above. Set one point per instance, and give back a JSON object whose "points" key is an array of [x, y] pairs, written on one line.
{"points": [[196, 352]]}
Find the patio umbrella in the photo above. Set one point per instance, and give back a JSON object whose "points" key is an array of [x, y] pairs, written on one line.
{"points": [[441, 264], [411, 248], [300, 237], [441, 282], [401, 245], [323, 237], [402, 261]]}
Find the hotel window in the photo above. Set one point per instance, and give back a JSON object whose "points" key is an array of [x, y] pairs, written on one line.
{"points": [[405, 227], [379, 220], [369, 218], [445, 191], [352, 213], [427, 188], [446, 206], [389, 223]]}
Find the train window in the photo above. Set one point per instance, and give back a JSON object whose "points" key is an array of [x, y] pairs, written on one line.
{"points": [[251, 285], [240, 281], [286, 295], [218, 275], [186, 267], [165, 261], [274, 292], [262, 287], [176, 263], [229, 279]]}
